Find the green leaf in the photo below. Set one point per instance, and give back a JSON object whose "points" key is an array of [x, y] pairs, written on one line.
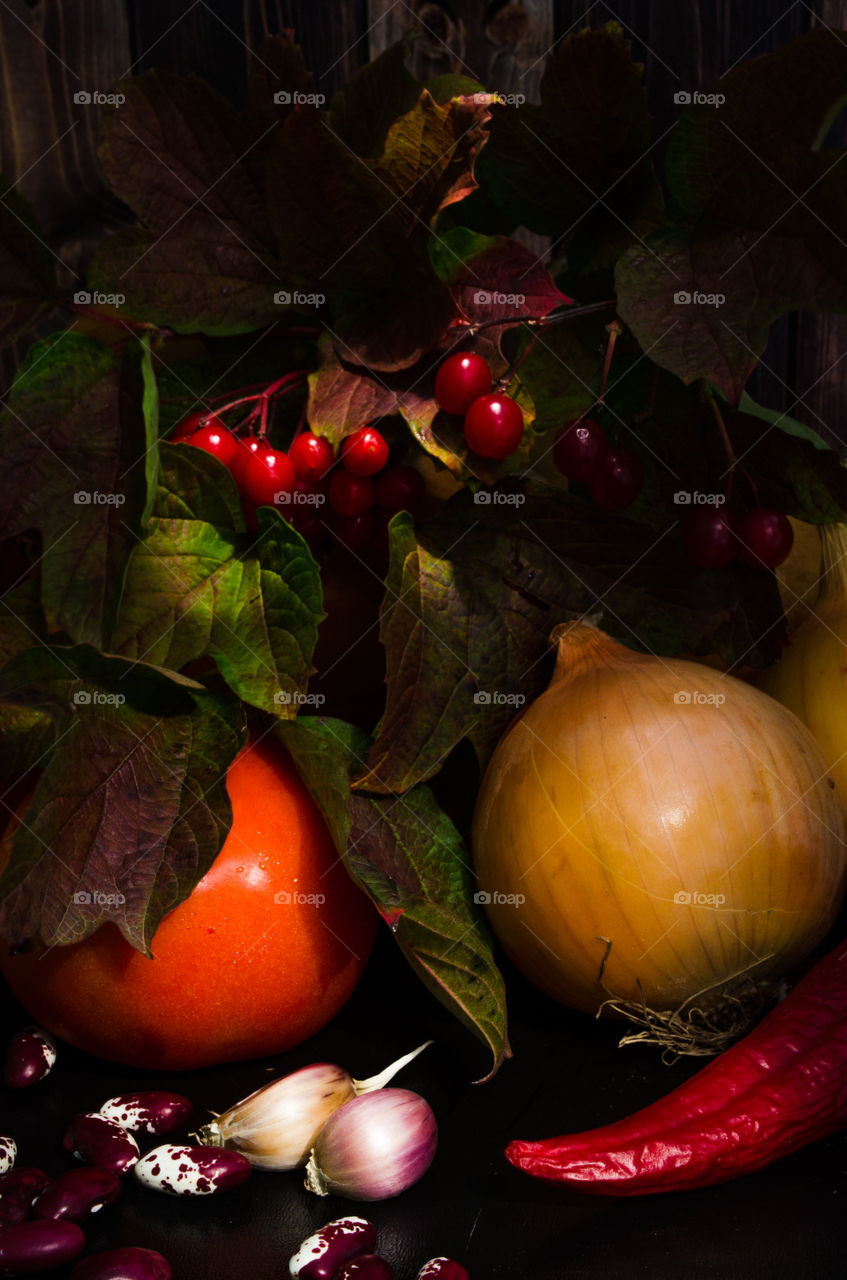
{"points": [[364, 110], [778, 418], [344, 222], [25, 735], [194, 588], [792, 474], [78, 464], [562, 372], [471, 599], [27, 271], [131, 809], [765, 213], [585, 151], [407, 855], [176, 152]]}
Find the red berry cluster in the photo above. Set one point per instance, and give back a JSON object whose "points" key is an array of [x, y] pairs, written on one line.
{"points": [[714, 536], [582, 453], [299, 482], [493, 420]]}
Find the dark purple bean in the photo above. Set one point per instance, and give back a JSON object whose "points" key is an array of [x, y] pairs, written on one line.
{"points": [[192, 1171], [8, 1153], [98, 1141], [31, 1247], [153, 1112], [367, 1266], [19, 1188], [78, 1194], [123, 1264], [29, 1058], [320, 1256], [442, 1269]]}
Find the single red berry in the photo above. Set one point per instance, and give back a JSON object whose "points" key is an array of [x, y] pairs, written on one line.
{"points": [[350, 495], [311, 455], [400, 488], [580, 449], [192, 421], [218, 441], [494, 425], [708, 537], [617, 480], [266, 474], [364, 452], [354, 532], [461, 379], [765, 537], [247, 446]]}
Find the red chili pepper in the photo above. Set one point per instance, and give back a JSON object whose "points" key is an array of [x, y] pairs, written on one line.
{"points": [[783, 1085]]}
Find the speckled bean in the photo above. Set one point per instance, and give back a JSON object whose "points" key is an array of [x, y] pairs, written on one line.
{"points": [[123, 1264], [192, 1171], [78, 1194], [154, 1111], [29, 1058], [101, 1142], [322, 1253], [442, 1269], [8, 1153], [31, 1247], [366, 1266]]}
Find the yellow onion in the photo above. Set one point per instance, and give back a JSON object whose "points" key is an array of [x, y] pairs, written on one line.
{"points": [[661, 814], [811, 676]]}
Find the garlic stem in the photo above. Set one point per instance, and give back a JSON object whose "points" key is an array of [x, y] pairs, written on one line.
{"points": [[379, 1081]]}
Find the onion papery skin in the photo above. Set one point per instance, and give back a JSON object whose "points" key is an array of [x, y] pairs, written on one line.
{"points": [[632, 790], [810, 677]]}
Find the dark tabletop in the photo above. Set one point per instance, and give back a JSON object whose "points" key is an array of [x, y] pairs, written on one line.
{"points": [[784, 1223]]}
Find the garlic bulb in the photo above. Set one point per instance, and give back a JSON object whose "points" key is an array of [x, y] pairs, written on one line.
{"points": [[810, 678], [650, 828], [276, 1127]]}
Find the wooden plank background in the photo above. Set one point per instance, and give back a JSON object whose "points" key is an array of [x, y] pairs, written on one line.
{"points": [[52, 49]]}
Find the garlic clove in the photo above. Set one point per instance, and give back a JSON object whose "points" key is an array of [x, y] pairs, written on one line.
{"points": [[373, 1147]]}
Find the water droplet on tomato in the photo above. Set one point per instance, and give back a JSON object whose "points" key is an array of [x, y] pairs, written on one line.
{"points": [[211, 928]]}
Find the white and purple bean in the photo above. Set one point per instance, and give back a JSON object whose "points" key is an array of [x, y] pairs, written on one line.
{"points": [[30, 1247], [442, 1269], [8, 1153], [101, 1142], [192, 1171], [29, 1058], [367, 1266], [19, 1189], [321, 1254], [78, 1194], [154, 1111], [123, 1264]]}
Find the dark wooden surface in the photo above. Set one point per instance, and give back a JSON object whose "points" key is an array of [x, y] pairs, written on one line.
{"points": [[51, 49]]}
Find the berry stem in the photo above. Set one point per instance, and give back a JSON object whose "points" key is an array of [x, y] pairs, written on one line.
{"points": [[540, 321], [614, 330]]}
